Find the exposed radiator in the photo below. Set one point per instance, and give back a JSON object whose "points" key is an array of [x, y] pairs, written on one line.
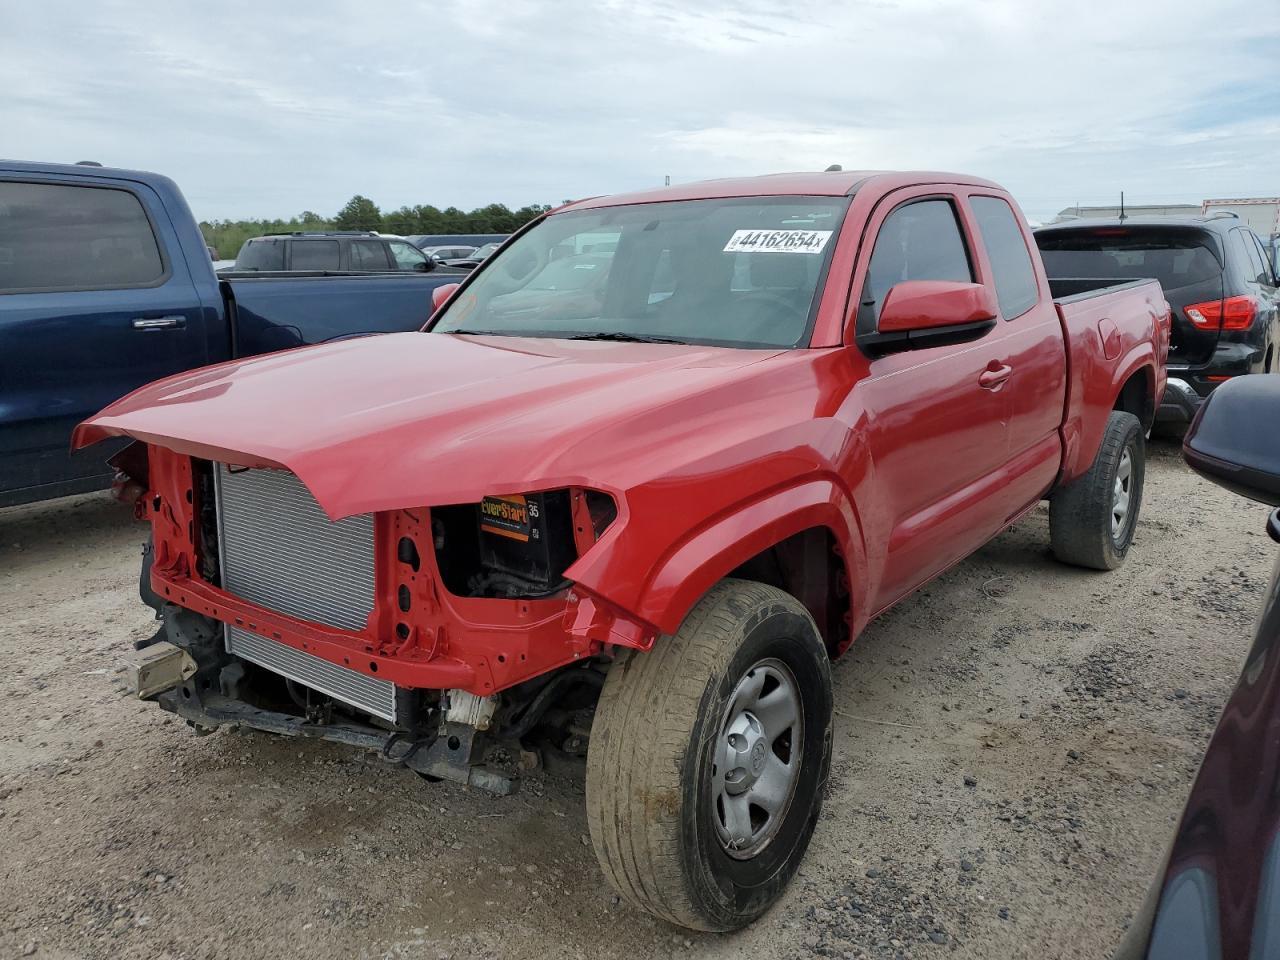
{"points": [[279, 550], [374, 696]]}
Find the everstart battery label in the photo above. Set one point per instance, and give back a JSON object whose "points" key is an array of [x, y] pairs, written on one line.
{"points": [[506, 516]]}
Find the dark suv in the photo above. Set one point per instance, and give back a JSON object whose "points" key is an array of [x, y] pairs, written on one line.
{"points": [[333, 251], [1217, 277]]}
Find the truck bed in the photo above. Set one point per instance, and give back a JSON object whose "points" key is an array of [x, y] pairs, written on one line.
{"points": [[1107, 327], [1071, 289]]}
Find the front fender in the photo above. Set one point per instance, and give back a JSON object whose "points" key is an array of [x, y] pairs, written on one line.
{"points": [[669, 590]]}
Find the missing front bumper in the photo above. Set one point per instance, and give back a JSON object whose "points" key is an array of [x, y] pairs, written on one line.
{"points": [[451, 755]]}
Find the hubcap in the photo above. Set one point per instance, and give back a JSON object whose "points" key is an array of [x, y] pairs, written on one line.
{"points": [[756, 762], [1121, 493]]}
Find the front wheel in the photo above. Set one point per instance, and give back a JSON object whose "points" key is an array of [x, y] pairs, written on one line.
{"points": [[1092, 521], [709, 758]]}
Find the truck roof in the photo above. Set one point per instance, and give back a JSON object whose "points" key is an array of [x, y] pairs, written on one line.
{"points": [[91, 171], [834, 183], [86, 168]]}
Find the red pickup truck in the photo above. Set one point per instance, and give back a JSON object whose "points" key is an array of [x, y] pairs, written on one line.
{"points": [[646, 472]]}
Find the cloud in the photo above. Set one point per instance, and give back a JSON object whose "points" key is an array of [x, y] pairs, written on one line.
{"points": [[258, 109]]}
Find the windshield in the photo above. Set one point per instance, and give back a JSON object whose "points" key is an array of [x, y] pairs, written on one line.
{"points": [[733, 272]]}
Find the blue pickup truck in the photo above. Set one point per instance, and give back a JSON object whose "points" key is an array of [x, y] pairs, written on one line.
{"points": [[106, 284]]}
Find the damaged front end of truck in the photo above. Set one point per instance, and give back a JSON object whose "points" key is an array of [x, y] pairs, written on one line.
{"points": [[424, 633]]}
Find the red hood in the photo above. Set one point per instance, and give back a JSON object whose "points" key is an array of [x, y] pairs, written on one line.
{"points": [[414, 419]]}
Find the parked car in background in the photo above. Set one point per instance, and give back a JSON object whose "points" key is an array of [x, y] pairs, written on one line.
{"points": [[440, 254], [106, 284], [1217, 893], [639, 521], [1215, 273], [473, 259], [332, 251], [472, 240]]}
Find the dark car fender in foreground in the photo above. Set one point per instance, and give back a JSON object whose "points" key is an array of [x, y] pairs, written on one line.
{"points": [[1217, 894]]}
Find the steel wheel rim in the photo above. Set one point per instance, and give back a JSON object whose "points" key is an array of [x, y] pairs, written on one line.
{"points": [[1121, 494], [756, 759]]}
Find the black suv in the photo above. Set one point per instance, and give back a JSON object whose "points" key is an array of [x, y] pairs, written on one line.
{"points": [[1216, 275], [332, 251]]}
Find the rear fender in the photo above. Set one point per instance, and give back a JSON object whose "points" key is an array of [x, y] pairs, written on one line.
{"points": [[709, 554], [1094, 391]]}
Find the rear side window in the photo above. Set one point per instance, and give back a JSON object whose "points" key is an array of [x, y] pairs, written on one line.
{"points": [[314, 254], [368, 255], [1268, 261], [1251, 263], [261, 255], [1016, 287], [918, 241], [58, 237], [1177, 257]]}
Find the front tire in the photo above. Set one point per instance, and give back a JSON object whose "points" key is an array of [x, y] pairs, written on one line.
{"points": [[1092, 521], [709, 758]]}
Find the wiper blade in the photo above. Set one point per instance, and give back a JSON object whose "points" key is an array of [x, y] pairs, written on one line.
{"points": [[480, 333], [625, 337]]}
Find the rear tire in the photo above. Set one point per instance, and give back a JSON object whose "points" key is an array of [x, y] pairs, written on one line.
{"points": [[1092, 521], [687, 737]]}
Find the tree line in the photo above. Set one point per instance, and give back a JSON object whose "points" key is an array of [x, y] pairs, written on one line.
{"points": [[361, 213]]}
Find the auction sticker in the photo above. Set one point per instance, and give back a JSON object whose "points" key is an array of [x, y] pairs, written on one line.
{"points": [[777, 241]]}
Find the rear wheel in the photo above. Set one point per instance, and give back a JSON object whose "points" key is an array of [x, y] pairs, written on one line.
{"points": [[709, 758], [1092, 521]]}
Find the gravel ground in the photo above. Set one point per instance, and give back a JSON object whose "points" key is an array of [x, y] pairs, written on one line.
{"points": [[1012, 746]]}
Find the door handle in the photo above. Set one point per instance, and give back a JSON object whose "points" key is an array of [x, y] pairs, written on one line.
{"points": [[994, 376], [159, 323]]}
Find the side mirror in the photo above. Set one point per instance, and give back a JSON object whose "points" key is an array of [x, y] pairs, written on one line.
{"points": [[440, 294], [1232, 440], [932, 313], [424, 266]]}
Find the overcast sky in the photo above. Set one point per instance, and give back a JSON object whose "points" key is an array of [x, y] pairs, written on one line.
{"points": [[266, 109]]}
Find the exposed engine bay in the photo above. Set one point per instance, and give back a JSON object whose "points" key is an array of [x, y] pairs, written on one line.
{"points": [[518, 545], [260, 536]]}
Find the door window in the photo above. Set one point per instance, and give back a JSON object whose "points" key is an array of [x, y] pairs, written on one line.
{"points": [[59, 237], [408, 257], [1015, 278], [369, 255], [314, 254], [918, 241]]}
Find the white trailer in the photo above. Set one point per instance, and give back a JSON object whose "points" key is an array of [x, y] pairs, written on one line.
{"points": [[1261, 214]]}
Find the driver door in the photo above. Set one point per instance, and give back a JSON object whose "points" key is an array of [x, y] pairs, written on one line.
{"points": [[936, 418]]}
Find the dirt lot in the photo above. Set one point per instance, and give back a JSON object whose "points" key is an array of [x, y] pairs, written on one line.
{"points": [[1011, 747]]}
